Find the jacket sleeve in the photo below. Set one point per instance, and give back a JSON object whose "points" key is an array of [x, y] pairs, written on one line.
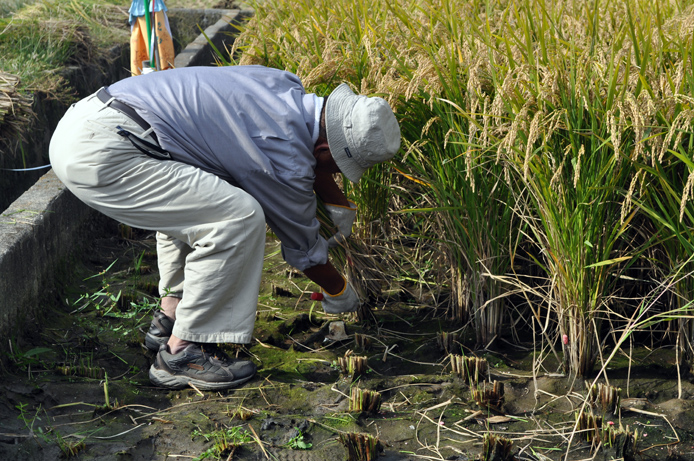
{"points": [[289, 204]]}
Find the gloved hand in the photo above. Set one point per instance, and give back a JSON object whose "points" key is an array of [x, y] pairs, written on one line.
{"points": [[345, 301], [343, 218]]}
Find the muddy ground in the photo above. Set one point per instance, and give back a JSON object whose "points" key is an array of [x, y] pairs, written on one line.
{"points": [[77, 386]]}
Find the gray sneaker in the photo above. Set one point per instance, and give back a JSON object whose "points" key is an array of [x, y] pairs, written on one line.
{"points": [[203, 365], [159, 331]]}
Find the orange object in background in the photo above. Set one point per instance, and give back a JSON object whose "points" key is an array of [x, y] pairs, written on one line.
{"points": [[151, 45]]}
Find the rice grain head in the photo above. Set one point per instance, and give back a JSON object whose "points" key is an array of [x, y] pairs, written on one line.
{"points": [[637, 122], [428, 124], [685, 127], [484, 137], [679, 120], [577, 171], [627, 204], [686, 193], [509, 141], [533, 134], [615, 131], [557, 181]]}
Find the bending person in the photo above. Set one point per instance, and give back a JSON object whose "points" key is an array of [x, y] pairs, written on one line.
{"points": [[206, 156]]}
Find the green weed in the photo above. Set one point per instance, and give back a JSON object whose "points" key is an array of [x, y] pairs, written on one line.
{"points": [[225, 441], [28, 359], [49, 436], [298, 443]]}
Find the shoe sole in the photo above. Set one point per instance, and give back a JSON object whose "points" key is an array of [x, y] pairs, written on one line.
{"points": [[153, 343], [166, 379]]}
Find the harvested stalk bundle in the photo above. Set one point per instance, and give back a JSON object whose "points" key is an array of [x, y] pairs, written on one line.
{"points": [[364, 400], [472, 369], [361, 341], [364, 271], [496, 448], [352, 365], [364, 268], [447, 341], [15, 108], [360, 447], [70, 449], [362, 263], [241, 413], [82, 370], [590, 426], [604, 397], [625, 443], [488, 396]]}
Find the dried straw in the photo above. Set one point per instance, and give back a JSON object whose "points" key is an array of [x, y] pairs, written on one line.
{"points": [[15, 108]]}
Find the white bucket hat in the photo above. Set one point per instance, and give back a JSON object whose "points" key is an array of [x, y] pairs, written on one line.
{"points": [[361, 131]]}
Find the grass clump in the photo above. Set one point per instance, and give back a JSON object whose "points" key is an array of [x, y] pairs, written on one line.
{"points": [[8, 7], [39, 39], [225, 442]]}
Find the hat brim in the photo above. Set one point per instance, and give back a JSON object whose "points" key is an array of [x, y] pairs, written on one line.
{"points": [[337, 110]]}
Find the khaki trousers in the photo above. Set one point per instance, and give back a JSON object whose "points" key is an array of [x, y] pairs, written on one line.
{"points": [[211, 235]]}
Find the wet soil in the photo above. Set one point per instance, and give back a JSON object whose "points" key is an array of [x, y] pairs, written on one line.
{"points": [[77, 386]]}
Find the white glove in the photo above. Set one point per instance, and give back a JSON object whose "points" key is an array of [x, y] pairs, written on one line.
{"points": [[343, 218], [345, 301]]}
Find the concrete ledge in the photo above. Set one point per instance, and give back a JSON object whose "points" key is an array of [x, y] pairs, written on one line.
{"points": [[47, 226], [39, 233], [221, 34]]}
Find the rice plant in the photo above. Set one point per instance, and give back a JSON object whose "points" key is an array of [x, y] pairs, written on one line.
{"points": [[560, 148], [568, 120], [523, 122], [474, 202], [665, 199]]}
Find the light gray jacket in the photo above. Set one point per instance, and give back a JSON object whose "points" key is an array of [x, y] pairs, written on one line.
{"points": [[253, 126]]}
